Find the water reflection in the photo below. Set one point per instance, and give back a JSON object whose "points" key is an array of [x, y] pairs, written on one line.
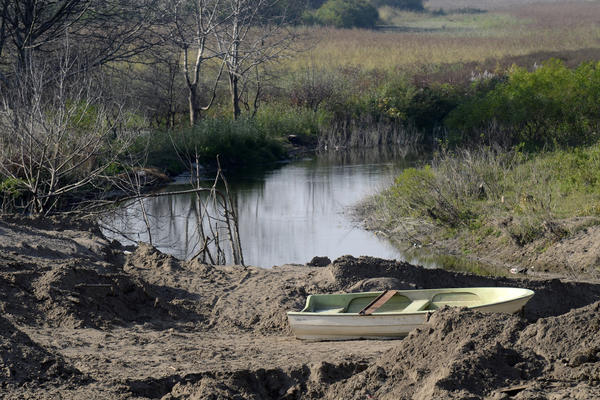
{"points": [[287, 215]]}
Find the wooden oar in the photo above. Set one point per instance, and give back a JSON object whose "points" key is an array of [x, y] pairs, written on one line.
{"points": [[378, 302]]}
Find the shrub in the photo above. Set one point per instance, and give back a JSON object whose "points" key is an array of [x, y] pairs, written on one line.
{"points": [[423, 108], [12, 188], [312, 87], [426, 193], [346, 14], [394, 97], [552, 105]]}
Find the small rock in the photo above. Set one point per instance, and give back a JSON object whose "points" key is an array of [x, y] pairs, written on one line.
{"points": [[583, 357], [319, 261], [518, 270]]}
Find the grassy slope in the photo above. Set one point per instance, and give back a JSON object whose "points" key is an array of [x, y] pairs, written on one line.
{"points": [[539, 211]]}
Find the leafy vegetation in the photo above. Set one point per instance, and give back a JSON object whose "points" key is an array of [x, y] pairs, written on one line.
{"points": [[345, 14], [434, 77], [488, 190], [237, 143], [353, 13], [550, 106]]}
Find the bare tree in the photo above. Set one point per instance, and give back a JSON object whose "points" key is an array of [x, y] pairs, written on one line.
{"points": [[32, 24], [159, 88], [101, 31], [193, 24], [57, 133], [216, 239], [255, 33]]}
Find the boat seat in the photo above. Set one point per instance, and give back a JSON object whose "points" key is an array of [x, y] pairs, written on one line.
{"points": [[417, 305], [331, 310]]}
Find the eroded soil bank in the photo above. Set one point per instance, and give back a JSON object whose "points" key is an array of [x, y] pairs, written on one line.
{"points": [[568, 247], [82, 318]]}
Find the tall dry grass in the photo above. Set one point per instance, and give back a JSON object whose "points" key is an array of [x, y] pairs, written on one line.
{"points": [[447, 39], [559, 14], [490, 4]]}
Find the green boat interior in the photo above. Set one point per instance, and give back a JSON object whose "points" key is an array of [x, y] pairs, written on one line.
{"points": [[353, 303]]}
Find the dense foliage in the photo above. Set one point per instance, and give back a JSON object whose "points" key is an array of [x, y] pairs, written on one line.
{"points": [[246, 142], [346, 14], [552, 105]]}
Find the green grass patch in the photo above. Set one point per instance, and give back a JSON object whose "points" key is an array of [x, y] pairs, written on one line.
{"points": [[549, 106], [280, 120], [489, 191], [460, 20], [247, 142]]}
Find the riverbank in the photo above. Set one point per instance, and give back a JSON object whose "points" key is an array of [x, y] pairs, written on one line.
{"points": [[534, 214], [573, 257], [84, 317]]}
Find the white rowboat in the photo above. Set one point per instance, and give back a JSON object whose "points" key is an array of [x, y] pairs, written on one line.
{"points": [[392, 314]]}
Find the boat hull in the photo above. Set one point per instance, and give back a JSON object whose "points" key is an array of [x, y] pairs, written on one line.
{"points": [[339, 325], [348, 327]]}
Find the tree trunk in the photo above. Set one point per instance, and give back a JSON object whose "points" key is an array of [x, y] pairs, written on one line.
{"points": [[194, 105], [235, 95]]}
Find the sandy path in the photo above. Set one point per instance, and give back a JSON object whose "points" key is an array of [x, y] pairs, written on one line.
{"points": [[137, 353]]}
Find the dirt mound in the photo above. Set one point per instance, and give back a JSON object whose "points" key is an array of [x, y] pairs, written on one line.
{"points": [[571, 342], [348, 271], [229, 298], [459, 354], [146, 256], [221, 332], [465, 354], [80, 295], [379, 284], [24, 361], [306, 381]]}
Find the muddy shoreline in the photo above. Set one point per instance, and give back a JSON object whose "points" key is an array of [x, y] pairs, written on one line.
{"points": [[573, 254], [82, 318]]}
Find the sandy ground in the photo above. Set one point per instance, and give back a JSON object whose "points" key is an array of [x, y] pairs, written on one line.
{"points": [[85, 318]]}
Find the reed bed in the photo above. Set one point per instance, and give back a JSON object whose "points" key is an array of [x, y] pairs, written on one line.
{"points": [[427, 40]]}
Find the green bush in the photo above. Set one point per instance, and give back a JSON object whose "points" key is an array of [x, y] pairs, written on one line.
{"points": [[552, 105], [393, 99], [346, 14], [12, 187], [424, 193], [430, 105], [423, 108]]}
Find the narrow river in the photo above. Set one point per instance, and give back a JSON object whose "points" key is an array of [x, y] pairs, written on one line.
{"points": [[286, 215]]}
